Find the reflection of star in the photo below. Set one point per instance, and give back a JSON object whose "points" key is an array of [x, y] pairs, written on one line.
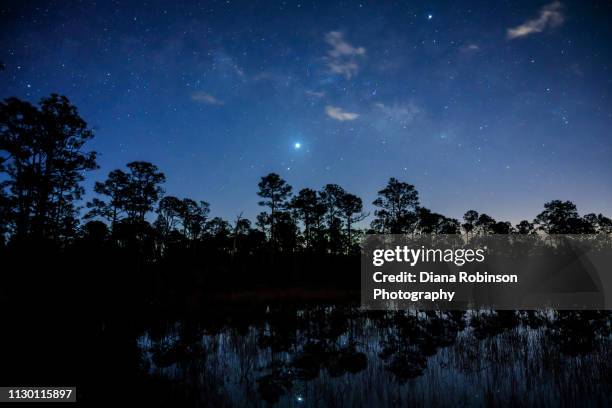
{"points": [[297, 145]]}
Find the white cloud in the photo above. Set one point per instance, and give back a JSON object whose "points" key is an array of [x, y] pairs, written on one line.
{"points": [[402, 114], [206, 98], [348, 68], [339, 114], [470, 47], [341, 48], [550, 16], [342, 57]]}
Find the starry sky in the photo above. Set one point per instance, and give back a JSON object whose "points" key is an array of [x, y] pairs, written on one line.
{"points": [[495, 106]]}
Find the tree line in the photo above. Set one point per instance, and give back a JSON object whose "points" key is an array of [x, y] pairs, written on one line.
{"points": [[44, 161]]}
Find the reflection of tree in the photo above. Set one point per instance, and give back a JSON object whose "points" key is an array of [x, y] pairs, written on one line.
{"points": [[491, 323], [275, 384], [413, 338], [278, 351], [579, 332], [312, 339]]}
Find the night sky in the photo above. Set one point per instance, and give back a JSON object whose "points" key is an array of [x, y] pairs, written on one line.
{"points": [[496, 107]]}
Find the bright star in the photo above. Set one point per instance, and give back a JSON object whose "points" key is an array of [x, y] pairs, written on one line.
{"points": [[297, 145], [429, 16]]}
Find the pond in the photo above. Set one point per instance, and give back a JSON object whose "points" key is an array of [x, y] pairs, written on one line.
{"points": [[342, 356]]}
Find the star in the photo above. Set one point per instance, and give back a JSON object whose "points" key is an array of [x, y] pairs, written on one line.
{"points": [[497, 77]]}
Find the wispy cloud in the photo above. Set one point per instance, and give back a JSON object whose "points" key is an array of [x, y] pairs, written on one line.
{"points": [[339, 114], [402, 114], [470, 47], [342, 57], [226, 66], [206, 98], [550, 16]]}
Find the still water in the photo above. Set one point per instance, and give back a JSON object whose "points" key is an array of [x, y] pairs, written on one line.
{"points": [[340, 356]]}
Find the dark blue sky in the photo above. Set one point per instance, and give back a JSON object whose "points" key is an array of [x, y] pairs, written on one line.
{"points": [[496, 106]]}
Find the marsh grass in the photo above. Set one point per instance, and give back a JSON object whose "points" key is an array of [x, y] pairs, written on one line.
{"points": [[341, 356]]}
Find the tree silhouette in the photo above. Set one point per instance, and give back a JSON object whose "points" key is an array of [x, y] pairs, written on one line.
{"points": [[45, 164], [398, 202], [331, 197], [351, 208], [262, 221], [133, 193], [115, 187], [470, 217], [169, 211], [242, 227], [449, 226], [434, 223], [144, 189], [194, 216], [484, 224], [502, 227], [94, 233], [524, 227], [275, 191], [286, 232], [218, 234], [310, 210], [561, 217], [598, 223]]}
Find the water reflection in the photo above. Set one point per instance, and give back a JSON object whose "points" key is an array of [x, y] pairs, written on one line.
{"points": [[341, 356]]}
